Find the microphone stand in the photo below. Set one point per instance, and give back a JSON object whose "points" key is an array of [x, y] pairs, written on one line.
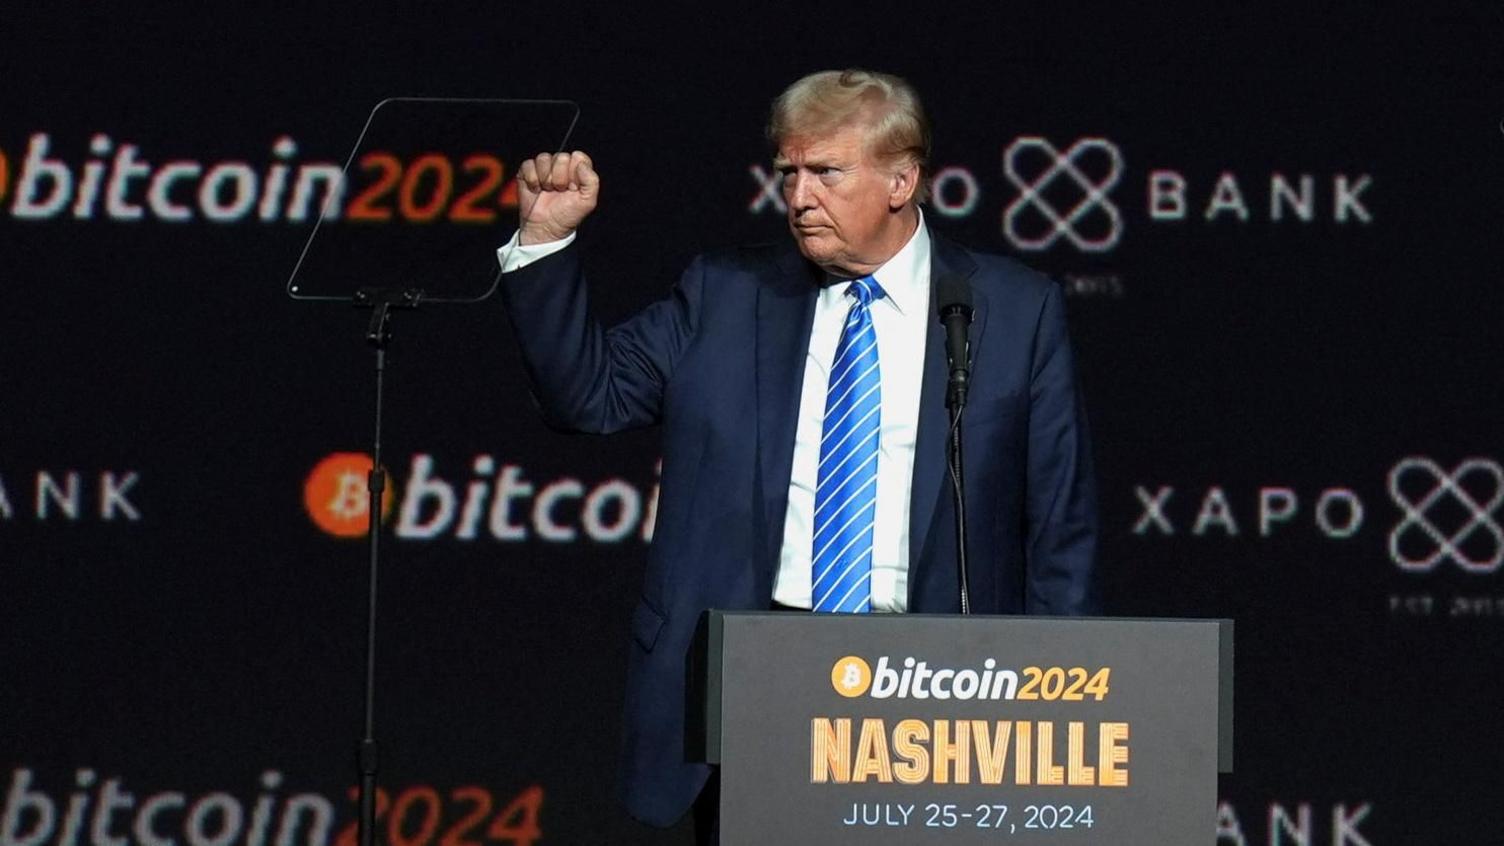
{"points": [[955, 402], [953, 296], [381, 301]]}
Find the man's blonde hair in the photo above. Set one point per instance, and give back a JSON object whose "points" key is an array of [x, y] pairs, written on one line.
{"points": [[886, 106]]}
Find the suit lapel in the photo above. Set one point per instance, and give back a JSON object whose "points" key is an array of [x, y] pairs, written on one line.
{"points": [[785, 314], [929, 441]]}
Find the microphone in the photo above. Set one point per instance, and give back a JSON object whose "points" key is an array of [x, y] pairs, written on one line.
{"points": [[953, 295]]}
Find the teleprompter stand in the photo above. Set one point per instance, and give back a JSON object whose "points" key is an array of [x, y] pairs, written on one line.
{"points": [[423, 173], [381, 302]]}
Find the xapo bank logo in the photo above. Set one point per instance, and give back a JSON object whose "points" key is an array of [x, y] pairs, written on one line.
{"points": [[496, 500], [1086, 217], [1444, 517], [116, 180], [853, 677], [1439, 524], [71, 496], [1082, 195], [1071, 194], [1447, 515]]}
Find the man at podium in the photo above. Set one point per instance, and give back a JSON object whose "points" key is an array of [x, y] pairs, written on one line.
{"points": [[801, 390]]}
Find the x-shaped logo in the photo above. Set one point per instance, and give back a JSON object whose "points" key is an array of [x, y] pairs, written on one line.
{"points": [[1443, 545], [1062, 223]]}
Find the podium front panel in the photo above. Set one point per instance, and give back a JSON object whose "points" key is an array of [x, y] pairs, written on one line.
{"points": [[944, 729]]}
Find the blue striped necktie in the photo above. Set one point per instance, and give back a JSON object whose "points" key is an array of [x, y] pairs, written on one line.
{"points": [[846, 484]]}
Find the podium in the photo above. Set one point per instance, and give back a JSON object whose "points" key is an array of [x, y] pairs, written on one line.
{"points": [[915, 729]]}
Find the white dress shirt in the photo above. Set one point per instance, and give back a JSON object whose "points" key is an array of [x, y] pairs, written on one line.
{"points": [[901, 321], [514, 255]]}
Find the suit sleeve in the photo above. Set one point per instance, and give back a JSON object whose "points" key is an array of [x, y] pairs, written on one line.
{"points": [[1061, 498], [586, 378]]}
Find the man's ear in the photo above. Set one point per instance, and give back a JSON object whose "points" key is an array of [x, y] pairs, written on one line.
{"points": [[905, 182]]}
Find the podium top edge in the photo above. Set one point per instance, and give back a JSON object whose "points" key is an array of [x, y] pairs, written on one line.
{"points": [[1021, 618]]}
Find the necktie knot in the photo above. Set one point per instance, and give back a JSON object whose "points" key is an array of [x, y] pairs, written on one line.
{"points": [[866, 290]]}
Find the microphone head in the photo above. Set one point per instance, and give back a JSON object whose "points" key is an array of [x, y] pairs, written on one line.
{"points": [[953, 295]]}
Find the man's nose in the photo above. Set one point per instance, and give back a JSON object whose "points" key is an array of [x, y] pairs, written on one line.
{"points": [[801, 194]]}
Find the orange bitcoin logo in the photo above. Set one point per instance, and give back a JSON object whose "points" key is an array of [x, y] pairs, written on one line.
{"points": [[851, 676], [336, 495]]}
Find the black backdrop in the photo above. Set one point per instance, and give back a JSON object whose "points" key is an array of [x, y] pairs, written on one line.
{"points": [[174, 625]]}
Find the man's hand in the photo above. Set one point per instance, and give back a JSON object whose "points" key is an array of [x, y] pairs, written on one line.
{"points": [[555, 192]]}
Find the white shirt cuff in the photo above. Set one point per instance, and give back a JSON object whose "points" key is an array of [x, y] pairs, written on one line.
{"points": [[515, 255]]}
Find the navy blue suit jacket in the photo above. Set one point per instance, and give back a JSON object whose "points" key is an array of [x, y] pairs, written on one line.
{"points": [[720, 364]]}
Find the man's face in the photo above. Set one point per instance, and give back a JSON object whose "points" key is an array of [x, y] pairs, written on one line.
{"points": [[838, 200]]}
